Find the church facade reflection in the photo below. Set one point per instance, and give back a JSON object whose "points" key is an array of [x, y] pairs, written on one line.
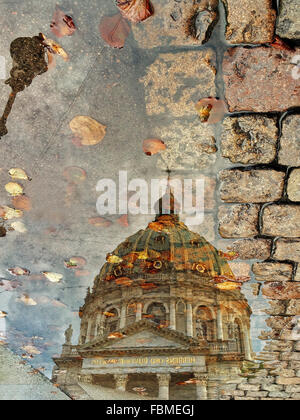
{"points": [[165, 316]]}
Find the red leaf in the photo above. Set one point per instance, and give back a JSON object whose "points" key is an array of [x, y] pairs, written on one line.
{"points": [[279, 44], [62, 24], [114, 30], [135, 10]]}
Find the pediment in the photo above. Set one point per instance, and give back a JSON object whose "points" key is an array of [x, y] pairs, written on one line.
{"points": [[142, 335]]}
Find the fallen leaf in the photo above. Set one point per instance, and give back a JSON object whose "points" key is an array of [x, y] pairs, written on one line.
{"points": [[75, 174], [75, 262], [211, 110], [99, 222], [54, 47], [22, 203], [18, 271], [153, 146], [3, 314], [135, 10], [62, 24], [114, 30], [28, 300], [124, 281], [14, 189], [2, 232], [31, 349], [17, 173], [7, 213], [116, 335], [89, 131], [109, 314], [53, 277], [19, 227], [279, 44], [113, 259], [123, 220]]}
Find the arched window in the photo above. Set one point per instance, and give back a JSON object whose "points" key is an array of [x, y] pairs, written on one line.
{"points": [[157, 312], [131, 313], [204, 324], [238, 335], [111, 323]]}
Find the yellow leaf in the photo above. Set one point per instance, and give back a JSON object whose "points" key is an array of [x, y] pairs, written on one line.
{"points": [[14, 189], [113, 259], [53, 277], [7, 213], [28, 300], [88, 130], [17, 173], [55, 48], [19, 227]]}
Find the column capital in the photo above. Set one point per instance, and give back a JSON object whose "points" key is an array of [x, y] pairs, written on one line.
{"points": [[163, 379], [121, 381]]}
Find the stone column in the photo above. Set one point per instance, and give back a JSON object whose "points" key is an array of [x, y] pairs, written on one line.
{"points": [[220, 334], [98, 324], [247, 344], [173, 315], [88, 333], [123, 316], [164, 384], [139, 307], [189, 320], [213, 390], [121, 382], [201, 386]]}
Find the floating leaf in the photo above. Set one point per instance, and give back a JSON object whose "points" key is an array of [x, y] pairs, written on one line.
{"points": [[31, 349], [19, 227], [116, 335], [75, 262], [17, 173], [7, 213], [99, 222], [3, 314], [28, 300], [124, 281], [279, 44], [22, 203], [75, 174], [18, 271], [114, 30], [211, 110], [153, 146], [62, 24], [89, 131], [54, 47], [53, 277], [14, 189], [123, 220], [135, 10], [113, 259], [109, 314]]}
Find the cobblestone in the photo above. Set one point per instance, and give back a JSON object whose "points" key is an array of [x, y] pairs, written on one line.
{"points": [[252, 186], [288, 25], [289, 153], [282, 291], [249, 139], [249, 249], [287, 250], [260, 79], [251, 23], [293, 189], [238, 221], [272, 271], [175, 82], [281, 220]]}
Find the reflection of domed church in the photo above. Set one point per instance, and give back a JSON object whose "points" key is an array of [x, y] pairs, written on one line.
{"points": [[166, 318]]}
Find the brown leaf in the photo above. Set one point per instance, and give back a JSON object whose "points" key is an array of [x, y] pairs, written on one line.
{"points": [[153, 146], [211, 110], [62, 24], [114, 30], [22, 203], [89, 131], [135, 10], [18, 271], [279, 44], [54, 47]]}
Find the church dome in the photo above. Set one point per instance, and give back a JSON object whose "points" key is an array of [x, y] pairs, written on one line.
{"points": [[166, 245]]}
